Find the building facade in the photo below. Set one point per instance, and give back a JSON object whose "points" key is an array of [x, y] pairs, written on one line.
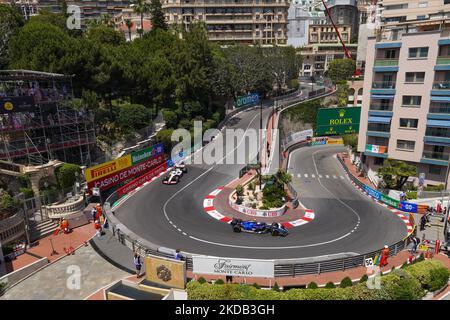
{"points": [[301, 14], [406, 101], [237, 21]]}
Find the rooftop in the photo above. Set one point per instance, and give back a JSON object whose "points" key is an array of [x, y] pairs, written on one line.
{"points": [[30, 75]]}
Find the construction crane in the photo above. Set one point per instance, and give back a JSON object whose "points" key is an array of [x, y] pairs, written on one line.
{"points": [[347, 52]]}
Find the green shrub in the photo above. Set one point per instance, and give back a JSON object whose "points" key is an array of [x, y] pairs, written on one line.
{"points": [[364, 279], [411, 194], [400, 285], [420, 258], [431, 274], [27, 192], [2, 288], [219, 281], [330, 285], [256, 286], [312, 285], [346, 282], [201, 280]]}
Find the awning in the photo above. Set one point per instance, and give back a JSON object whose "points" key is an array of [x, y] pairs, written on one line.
{"points": [[379, 119], [438, 123], [440, 99], [444, 42], [379, 96]]}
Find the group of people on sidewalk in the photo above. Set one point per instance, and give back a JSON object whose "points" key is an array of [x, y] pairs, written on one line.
{"points": [[99, 219]]}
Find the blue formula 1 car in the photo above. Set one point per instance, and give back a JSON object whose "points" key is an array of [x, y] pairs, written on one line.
{"points": [[276, 229]]}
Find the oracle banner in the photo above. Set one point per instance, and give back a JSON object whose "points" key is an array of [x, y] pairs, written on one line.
{"points": [[125, 174], [141, 180]]}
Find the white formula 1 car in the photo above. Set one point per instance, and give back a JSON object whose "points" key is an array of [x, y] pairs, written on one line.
{"points": [[181, 166], [173, 177]]}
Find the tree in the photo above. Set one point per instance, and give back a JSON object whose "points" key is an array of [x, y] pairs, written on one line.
{"points": [[158, 18], [351, 140], [66, 175], [104, 35], [129, 25], [395, 173], [10, 23], [132, 116], [342, 93], [341, 69], [141, 7]]}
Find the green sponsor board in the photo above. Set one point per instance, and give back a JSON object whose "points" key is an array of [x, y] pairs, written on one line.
{"points": [[389, 201], [146, 153], [243, 101], [333, 121]]}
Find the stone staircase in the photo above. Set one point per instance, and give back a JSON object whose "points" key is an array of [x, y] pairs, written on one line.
{"points": [[41, 229]]}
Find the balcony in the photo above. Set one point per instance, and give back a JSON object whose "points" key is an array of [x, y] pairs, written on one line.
{"points": [[438, 135], [383, 87], [441, 88], [378, 130], [386, 63], [443, 61], [435, 158]]}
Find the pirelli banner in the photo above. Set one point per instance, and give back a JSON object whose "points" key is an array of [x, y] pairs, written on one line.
{"points": [[109, 174]]}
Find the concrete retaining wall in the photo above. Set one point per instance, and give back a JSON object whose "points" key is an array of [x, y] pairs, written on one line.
{"points": [[13, 277]]}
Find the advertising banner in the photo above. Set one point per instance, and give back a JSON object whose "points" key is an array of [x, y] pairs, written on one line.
{"points": [[111, 180], [233, 267], [334, 121], [335, 141], [319, 141], [139, 156], [389, 201], [408, 207], [372, 192], [299, 136], [17, 104], [243, 101], [141, 180], [105, 169]]}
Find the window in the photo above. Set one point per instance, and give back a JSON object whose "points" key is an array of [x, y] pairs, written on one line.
{"points": [[406, 144], [411, 101], [417, 53], [408, 123], [397, 6], [390, 54], [415, 77], [434, 170]]}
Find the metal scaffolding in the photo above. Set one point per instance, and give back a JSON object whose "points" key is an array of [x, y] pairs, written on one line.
{"points": [[38, 120]]}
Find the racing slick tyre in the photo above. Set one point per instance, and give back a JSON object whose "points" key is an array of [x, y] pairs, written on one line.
{"points": [[177, 179], [275, 233], [237, 229]]}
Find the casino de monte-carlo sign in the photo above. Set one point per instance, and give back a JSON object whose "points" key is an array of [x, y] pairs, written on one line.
{"points": [[233, 267]]}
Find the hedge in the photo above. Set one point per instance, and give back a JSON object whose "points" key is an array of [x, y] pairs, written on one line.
{"points": [[410, 283]]}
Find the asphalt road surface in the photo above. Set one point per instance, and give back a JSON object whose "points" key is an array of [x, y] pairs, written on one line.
{"points": [[346, 221]]}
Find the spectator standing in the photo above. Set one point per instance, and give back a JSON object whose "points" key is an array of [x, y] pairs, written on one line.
{"points": [[384, 256], [93, 213], [98, 227], [178, 255], [137, 264]]}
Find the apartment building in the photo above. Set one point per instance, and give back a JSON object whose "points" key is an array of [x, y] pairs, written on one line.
{"points": [[406, 100], [302, 14], [233, 21], [132, 32], [327, 34], [317, 57]]}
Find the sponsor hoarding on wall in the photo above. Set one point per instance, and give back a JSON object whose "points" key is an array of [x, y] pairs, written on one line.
{"points": [[243, 101], [373, 193], [105, 169], [319, 141], [389, 201], [141, 180], [139, 156], [17, 104], [335, 141], [333, 121], [408, 207], [111, 180], [299, 136], [233, 267]]}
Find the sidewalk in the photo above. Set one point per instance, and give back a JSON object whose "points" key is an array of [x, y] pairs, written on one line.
{"points": [[43, 247], [352, 168]]}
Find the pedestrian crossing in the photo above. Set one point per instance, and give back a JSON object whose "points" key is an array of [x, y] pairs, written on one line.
{"points": [[318, 176]]}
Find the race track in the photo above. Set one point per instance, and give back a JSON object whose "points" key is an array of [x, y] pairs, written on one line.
{"points": [[346, 221]]}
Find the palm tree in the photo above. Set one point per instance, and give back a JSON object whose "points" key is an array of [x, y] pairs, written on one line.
{"points": [[129, 25], [141, 7], [107, 20]]}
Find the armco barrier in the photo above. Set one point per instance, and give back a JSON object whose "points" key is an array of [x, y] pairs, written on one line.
{"points": [[402, 206]]}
